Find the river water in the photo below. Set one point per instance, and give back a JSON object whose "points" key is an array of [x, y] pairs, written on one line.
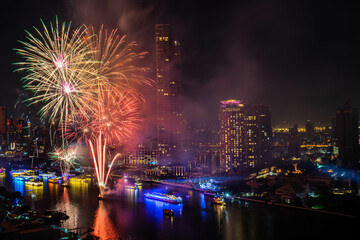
{"points": [[130, 213]]}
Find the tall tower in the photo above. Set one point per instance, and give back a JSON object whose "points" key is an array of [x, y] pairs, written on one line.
{"points": [[347, 135], [265, 132], [168, 94]]}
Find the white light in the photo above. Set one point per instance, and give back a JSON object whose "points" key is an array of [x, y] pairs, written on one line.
{"points": [[67, 88]]}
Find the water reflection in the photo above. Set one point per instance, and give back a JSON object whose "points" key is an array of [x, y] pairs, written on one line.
{"points": [[53, 189], [221, 216], [79, 189], [155, 208], [70, 208], [34, 192], [2, 180], [19, 186], [103, 226], [131, 197], [203, 207]]}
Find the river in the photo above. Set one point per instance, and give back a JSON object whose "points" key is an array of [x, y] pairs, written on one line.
{"points": [[130, 213]]}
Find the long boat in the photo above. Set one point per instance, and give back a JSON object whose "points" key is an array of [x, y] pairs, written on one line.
{"points": [[34, 183], [164, 197]]}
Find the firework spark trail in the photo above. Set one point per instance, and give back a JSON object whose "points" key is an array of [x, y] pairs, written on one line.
{"points": [[116, 103], [116, 116], [66, 157], [86, 78], [57, 68], [115, 119]]}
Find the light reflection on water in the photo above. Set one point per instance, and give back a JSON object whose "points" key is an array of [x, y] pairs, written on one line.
{"points": [[19, 186], [2, 180], [71, 208], [155, 208], [34, 192], [130, 213], [103, 226]]}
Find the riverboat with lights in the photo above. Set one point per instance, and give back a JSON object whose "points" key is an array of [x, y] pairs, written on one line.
{"points": [[218, 201], [34, 183], [164, 197]]}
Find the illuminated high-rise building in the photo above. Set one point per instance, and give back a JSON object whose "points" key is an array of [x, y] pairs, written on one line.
{"points": [[245, 132], [232, 119], [168, 95]]}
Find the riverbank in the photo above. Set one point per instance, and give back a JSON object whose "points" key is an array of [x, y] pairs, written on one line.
{"points": [[270, 204]]}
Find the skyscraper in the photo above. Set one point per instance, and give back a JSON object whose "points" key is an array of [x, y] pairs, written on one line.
{"points": [[2, 125], [232, 130], [294, 143], [168, 94], [264, 117], [309, 127], [347, 136], [245, 132]]}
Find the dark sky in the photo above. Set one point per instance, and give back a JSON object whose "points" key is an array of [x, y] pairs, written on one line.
{"points": [[301, 58]]}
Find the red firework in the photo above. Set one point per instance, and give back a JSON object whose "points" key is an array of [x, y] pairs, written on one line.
{"points": [[115, 115]]}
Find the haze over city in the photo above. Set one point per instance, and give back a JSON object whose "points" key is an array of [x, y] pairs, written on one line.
{"points": [[297, 58]]}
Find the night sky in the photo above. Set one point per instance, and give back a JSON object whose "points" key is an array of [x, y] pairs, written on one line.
{"points": [[301, 58]]}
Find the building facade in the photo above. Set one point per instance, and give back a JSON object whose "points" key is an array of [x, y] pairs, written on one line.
{"points": [[347, 136], [168, 94], [245, 132]]}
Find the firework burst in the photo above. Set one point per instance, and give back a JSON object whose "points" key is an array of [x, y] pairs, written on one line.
{"points": [[58, 66], [115, 61], [88, 80], [116, 116], [66, 158]]}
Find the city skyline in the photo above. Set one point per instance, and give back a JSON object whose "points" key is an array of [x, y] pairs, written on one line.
{"points": [[124, 119], [225, 55]]}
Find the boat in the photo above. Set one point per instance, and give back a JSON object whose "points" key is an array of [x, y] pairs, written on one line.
{"points": [[168, 212], [79, 180], [164, 197], [54, 180], [2, 172], [131, 187], [138, 184], [218, 201], [15, 173], [57, 215], [47, 175], [34, 183]]}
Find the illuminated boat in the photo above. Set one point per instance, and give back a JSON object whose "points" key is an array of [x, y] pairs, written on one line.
{"points": [[54, 180], [164, 197], [47, 175], [79, 180], [131, 187], [24, 177], [138, 184], [30, 172], [34, 183], [15, 173], [218, 201], [168, 212], [2, 172]]}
